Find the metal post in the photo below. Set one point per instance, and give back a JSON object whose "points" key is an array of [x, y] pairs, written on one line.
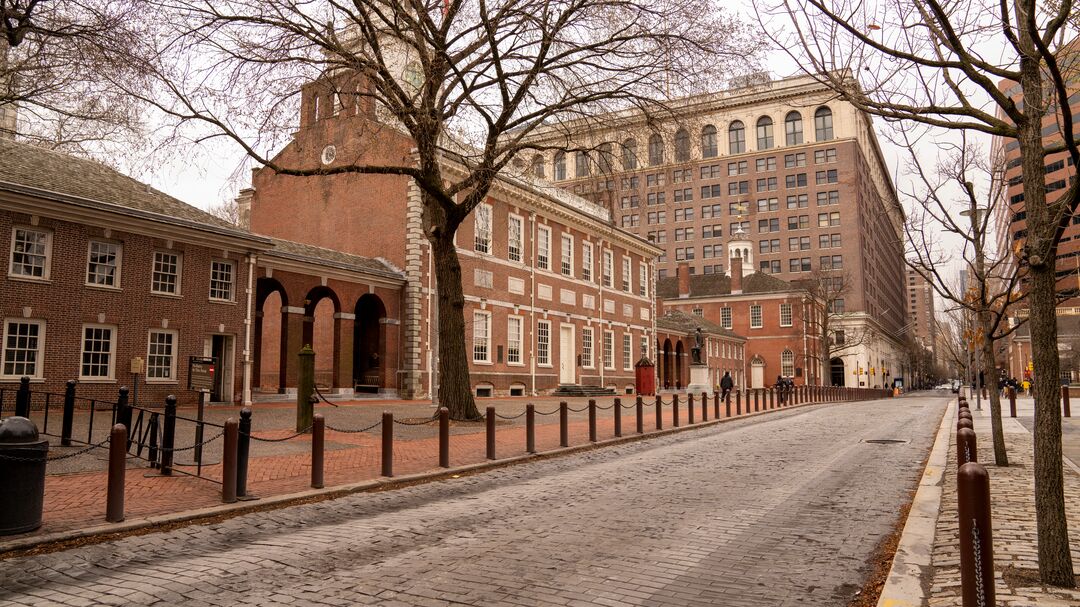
{"points": [[966, 451], [444, 437], [704, 407], [69, 414], [772, 399], [387, 444], [1012, 402], [318, 450], [618, 417], [592, 420], [228, 462], [114, 501], [976, 536], [639, 410], [243, 448], [168, 435], [564, 430], [716, 403], [659, 413], [22, 398], [738, 402], [489, 423], [690, 408], [1065, 401], [153, 452], [530, 428], [123, 411], [200, 427], [675, 410]]}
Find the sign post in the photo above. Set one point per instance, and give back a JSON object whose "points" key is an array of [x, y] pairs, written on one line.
{"points": [[201, 372]]}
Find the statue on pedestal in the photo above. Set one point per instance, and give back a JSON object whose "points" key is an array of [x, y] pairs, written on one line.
{"points": [[695, 352]]}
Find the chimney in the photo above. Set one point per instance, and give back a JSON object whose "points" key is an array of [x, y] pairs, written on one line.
{"points": [[243, 208], [683, 271], [736, 275]]}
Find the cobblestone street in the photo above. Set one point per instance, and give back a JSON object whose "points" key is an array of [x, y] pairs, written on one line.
{"points": [[778, 510]]}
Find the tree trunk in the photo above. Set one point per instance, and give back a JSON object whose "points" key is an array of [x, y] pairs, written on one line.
{"points": [[455, 387], [990, 371]]}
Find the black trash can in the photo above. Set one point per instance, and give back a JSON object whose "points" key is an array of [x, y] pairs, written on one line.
{"points": [[22, 475]]}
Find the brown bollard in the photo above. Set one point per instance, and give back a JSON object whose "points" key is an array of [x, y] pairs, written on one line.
{"points": [[704, 407], [564, 431], [592, 420], [976, 535], [757, 392], [228, 461], [966, 451], [530, 429], [716, 403], [318, 450], [674, 410], [114, 501], [639, 411], [690, 408], [738, 403], [1012, 402], [964, 413], [659, 413], [444, 437], [489, 424], [617, 408], [727, 404], [964, 422], [1065, 401], [772, 398], [387, 444]]}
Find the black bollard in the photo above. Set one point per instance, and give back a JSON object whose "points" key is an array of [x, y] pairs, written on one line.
{"points": [[976, 535], [387, 444], [704, 407], [564, 430], [444, 437], [318, 452], [228, 462], [114, 500], [69, 414], [168, 435], [966, 451], [530, 429], [716, 404], [618, 417], [1012, 402], [22, 398], [243, 448], [659, 413], [1066, 411], [690, 408], [674, 410], [639, 411], [489, 425], [592, 420]]}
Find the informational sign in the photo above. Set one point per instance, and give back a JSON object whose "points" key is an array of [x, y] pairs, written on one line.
{"points": [[201, 373], [137, 365]]}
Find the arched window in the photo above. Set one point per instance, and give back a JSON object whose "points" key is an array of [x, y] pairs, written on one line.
{"points": [[736, 134], [823, 124], [581, 164], [709, 148], [629, 155], [607, 158], [538, 166], [656, 150], [682, 146], [787, 364], [793, 128], [764, 133], [560, 166]]}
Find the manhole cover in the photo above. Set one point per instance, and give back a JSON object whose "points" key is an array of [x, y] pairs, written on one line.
{"points": [[885, 441]]}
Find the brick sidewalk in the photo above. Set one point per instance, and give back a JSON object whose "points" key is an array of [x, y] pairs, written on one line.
{"points": [[1012, 492], [77, 501]]}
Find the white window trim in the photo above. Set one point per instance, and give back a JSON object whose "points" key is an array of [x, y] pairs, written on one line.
{"points": [[483, 209], [728, 324], [47, 271], [119, 264], [232, 274], [540, 252], [179, 273], [790, 316], [39, 365], [607, 269], [173, 379], [761, 318], [548, 364], [628, 354], [521, 340], [643, 279], [112, 353], [521, 237], [608, 354], [487, 359], [590, 362], [587, 262], [568, 262], [627, 275]]}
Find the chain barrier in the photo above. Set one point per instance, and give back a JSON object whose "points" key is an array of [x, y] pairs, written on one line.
{"points": [[632, 405], [276, 440], [423, 422], [510, 416], [357, 431], [611, 406], [16, 458], [569, 408], [552, 412], [321, 397], [205, 442]]}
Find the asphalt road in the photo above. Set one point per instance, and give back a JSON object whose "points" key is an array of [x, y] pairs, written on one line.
{"points": [[783, 509]]}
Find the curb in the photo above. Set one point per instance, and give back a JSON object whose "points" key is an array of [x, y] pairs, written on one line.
{"points": [[904, 586], [103, 532]]}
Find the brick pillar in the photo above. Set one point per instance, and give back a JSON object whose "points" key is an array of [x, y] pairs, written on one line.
{"points": [[343, 349], [389, 339], [292, 339]]}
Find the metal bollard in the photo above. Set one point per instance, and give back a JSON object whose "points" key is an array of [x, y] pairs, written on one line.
{"points": [[690, 409], [674, 410], [114, 501], [168, 435], [976, 535], [659, 413], [757, 392], [966, 451], [69, 414], [228, 462], [639, 410], [530, 428], [772, 398], [618, 417], [318, 451], [592, 420], [716, 404], [704, 407], [1012, 402], [564, 431], [387, 444], [22, 398], [444, 437], [1065, 401], [738, 402], [123, 411], [243, 448], [489, 426]]}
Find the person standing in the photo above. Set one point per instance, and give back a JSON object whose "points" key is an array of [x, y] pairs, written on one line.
{"points": [[726, 384]]}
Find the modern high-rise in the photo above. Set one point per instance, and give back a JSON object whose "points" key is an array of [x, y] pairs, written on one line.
{"points": [[785, 161], [921, 317]]}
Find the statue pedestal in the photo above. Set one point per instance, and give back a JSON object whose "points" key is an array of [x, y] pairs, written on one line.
{"points": [[699, 380]]}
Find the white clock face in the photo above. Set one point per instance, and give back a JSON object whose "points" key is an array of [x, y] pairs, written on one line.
{"points": [[329, 153]]}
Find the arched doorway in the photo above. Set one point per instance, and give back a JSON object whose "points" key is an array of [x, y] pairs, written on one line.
{"points": [[836, 371], [679, 355], [666, 364], [321, 308], [757, 372], [369, 344], [270, 336]]}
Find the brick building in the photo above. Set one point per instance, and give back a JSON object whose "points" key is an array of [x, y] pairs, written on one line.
{"points": [[784, 161], [555, 293], [722, 351], [921, 314]]}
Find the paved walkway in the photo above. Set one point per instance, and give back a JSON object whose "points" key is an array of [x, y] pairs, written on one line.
{"points": [[76, 500], [1013, 517], [777, 510]]}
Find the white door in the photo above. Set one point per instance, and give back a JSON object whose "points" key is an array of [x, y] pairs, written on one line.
{"points": [[567, 363], [757, 375]]}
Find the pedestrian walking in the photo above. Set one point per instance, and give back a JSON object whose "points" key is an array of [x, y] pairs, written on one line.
{"points": [[726, 384]]}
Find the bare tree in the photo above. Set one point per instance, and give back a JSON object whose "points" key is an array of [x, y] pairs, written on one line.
{"points": [[467, 80], [826, 321], [227, 210], [940, 64]]}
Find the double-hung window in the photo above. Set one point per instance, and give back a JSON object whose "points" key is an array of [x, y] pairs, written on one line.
{"points": [[567, 264], [24, 348], [161, 356], [543, 248], [98, 345], [221, 280], [755, 317], [513, 340], [543, 343], [513, 238], [626, 275], [607, 269], [165, 278], [586, 261], [481, 336], [609, 350], [30, 253], [103, 264], [785, 315], [482, 233]]}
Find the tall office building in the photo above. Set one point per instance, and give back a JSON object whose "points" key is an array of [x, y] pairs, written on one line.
{"points": [[921, 316]]}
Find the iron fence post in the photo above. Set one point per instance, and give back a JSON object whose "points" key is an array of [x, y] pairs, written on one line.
{"points": [[168, 435], [690, 409], [69, 414], [674, 410], [592, 420], [228, 462], [243, 448]]}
